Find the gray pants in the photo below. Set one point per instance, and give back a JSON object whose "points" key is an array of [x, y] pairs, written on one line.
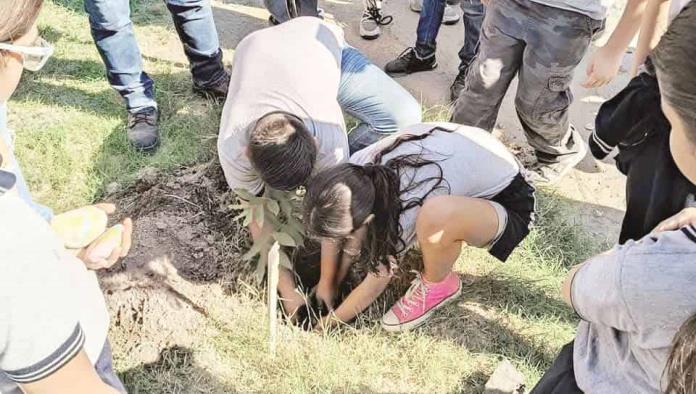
{"points": [[542, 45]]}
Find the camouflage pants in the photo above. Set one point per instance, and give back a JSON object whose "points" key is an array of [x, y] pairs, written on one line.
{"points": [[542, 45]]}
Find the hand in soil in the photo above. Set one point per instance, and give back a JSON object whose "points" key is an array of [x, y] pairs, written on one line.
{"points": [[111, 245], [326, 296]]}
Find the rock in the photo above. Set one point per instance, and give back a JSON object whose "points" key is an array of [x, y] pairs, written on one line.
{"points": [[505, 380], [113, 187]]}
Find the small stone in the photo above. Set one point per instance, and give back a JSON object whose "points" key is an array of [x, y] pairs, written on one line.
{"points": [[161, 225], [598, 213], [148, 175], [505, 380], [113, 187]]}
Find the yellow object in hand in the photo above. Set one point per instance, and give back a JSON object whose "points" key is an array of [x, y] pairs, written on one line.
{"points": [[79, 227], [106, 243]]}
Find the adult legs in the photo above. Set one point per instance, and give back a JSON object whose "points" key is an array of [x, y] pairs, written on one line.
{"points": [[429, 24], [194, 22], [113, 35], [284, 10], [473, 12], [380, 104], [558, 43], [490, 74]]}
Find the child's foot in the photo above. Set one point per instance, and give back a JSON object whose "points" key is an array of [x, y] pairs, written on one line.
{"points": [[420, 301], [408, 62]]}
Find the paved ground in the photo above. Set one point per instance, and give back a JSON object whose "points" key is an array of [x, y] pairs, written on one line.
{"points": [[596, 189]]}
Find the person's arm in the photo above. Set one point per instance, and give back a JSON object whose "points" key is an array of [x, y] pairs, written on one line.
{"points": [[595, 292], [75, 377], [605, 62], [358, 300], [652, 27], [326, 288]]}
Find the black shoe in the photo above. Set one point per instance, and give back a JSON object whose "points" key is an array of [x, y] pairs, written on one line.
{"points": [[272, 21], [216, 90], [458, 85], [143, 131], [408, 62]]}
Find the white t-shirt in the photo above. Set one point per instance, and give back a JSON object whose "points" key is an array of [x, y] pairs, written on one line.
{"points": [[474, 164], [293, 67], [51, 306], [675, 7]]}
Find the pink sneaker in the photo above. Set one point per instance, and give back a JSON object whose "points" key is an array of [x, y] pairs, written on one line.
{"points": [[420, 301]]}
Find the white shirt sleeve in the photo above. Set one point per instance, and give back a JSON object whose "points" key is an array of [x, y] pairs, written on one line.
{"points": [[39, 321]]}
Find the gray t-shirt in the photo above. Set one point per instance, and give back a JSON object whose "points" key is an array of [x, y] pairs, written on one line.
{"points": [[293, 67], [474, 164], [632, 300], [51, 306], [595, 9]]}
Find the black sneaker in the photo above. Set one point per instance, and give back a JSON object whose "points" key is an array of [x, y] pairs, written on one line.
{"points": [[216, 90], [458, 85], [408, 62], [143, 131]]}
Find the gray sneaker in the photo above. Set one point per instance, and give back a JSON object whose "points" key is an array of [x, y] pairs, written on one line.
{"points": [[549, 174], [143, 130], [451, 15]]}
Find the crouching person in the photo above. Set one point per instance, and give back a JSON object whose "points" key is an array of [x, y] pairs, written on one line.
{"points": [[283, 118], [634, 298], [441, 184]]}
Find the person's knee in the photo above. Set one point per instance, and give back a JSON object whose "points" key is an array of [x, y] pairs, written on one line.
{"points": [[431, 224], [408, 112], [107, 19]]}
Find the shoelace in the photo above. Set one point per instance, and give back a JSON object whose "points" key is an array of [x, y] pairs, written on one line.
{"points": [[417, 292], [143, 117], [407, 54], [374, 13]]}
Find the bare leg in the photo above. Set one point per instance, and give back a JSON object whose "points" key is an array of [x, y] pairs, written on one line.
{"points": [[291, 298], [445, 223]]}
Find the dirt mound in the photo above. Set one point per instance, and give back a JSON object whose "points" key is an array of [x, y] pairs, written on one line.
{"points": [[186, 253]]}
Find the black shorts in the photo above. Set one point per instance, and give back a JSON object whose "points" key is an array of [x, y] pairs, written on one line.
{"points": [[560, 378], [519, 201]]}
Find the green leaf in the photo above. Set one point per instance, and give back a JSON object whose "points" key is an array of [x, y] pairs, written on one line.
{"points": [[247, 220], [284, 239], [257, 247], [285, 260], [273, 206], [244, 194], [239, 206], [258, 215]]}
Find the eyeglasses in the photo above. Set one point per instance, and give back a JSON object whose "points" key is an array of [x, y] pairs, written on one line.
{"points": [[35, 56]]}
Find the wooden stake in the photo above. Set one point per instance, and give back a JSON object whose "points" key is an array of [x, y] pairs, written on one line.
{"points": [[273, 263]]}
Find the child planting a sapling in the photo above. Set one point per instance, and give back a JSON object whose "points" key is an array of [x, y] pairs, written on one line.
{"points": [[440, 184]]}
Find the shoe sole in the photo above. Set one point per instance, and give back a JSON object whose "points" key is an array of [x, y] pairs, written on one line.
{"points": [[421, 320], [580, 156], [414, 10], [369, 35], [450, 22], [147, 149], [404, 73]]}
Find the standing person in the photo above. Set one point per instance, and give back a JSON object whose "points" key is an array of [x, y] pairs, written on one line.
{"points": [[283, 119], [542, 41], [441, 184], [53, 319], [634, 298], [114, 37], [422, 56]]}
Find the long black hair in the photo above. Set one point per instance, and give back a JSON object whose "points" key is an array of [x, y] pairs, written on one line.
{"points": [[339, 200]]}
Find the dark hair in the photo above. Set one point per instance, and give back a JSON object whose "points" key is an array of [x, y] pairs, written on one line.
{"points": [[674, 60], [680, 370], [340, 199], [17, 18], [282, 150]]}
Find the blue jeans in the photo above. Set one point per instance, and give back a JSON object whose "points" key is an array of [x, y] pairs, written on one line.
{"points": [[429, 25], [380, 104], [283, 10], [113, 34]]}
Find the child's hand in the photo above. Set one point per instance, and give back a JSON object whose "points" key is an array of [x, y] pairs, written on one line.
{"points": [[603, 67], [326, 294], [684, 218], [113, 244]]}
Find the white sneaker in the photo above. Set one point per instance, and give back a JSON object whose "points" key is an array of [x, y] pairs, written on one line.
{"points": [[371, 21], [415, 5], [451, 15]]}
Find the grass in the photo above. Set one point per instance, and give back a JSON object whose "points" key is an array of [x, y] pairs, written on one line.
{"points": [[71, 141]]}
